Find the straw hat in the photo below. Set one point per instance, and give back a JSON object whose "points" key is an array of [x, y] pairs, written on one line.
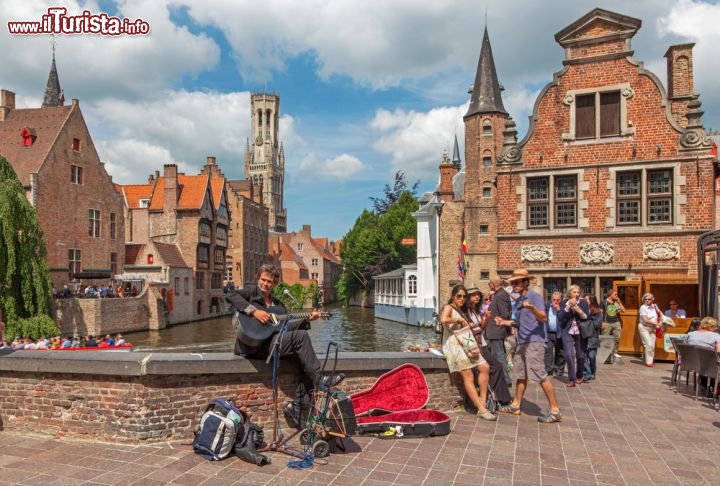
{"points": [[520, 274], [473, 289]]}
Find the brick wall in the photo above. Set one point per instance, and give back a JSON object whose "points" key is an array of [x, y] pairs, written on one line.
{"points": [[129, 397], [103, 316]]}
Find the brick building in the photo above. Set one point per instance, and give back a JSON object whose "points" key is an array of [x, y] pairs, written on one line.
{"points": [[79, 210], [248, 232], [190, 214], [614, 179], [311, 256]]}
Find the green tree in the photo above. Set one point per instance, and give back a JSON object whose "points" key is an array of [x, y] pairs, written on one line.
{"points": [[374, 244], [25, 285], [392, 194]]}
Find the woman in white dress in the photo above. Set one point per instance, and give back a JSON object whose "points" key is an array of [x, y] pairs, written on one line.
{"points": [[453, 317], [649, 322]]}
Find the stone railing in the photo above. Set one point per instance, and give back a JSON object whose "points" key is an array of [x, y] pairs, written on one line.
{"points": [[131, 397]]}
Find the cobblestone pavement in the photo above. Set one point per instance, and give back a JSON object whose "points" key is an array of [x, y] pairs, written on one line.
{"points": [[626, 427]]}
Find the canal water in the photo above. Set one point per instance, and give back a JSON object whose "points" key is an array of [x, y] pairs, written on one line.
{"points": [[353, 328]]}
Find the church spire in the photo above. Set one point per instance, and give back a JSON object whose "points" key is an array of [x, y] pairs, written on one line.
{"points": [[485, 94], [53, 95], [456, 154]]}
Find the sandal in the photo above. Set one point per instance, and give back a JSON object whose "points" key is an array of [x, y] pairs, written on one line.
{"points": [[550, 417], [486, 415], [509, 409]]}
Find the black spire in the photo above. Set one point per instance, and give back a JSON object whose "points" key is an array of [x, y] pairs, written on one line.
{"points": [[485, 93], [456, 154], [53, 94]]}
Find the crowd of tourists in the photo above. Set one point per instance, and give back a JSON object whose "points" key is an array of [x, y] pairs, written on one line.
{"points": [[58, 342], [95, 291], [510, 333]]}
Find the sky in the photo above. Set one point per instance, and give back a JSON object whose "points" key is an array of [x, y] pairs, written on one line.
{"points": [[367, 87]]}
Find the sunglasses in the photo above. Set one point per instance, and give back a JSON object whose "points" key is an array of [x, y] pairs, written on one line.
{"points": [[460, 295]]}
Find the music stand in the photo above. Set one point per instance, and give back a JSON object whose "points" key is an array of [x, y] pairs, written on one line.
{"points": [[279, 443]]}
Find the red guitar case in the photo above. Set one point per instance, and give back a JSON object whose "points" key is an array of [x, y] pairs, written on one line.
{"points": [[395, 406]]}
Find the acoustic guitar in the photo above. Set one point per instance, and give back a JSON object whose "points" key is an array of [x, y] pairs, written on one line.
{"points": [[251, 332]]}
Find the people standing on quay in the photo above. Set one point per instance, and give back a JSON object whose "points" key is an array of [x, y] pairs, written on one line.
{"points": [[529, 361], [612, 307], [649, 323], [554, 357], [573, 310], [452, 315], [478, 321], [596, 315], [495, 335]]}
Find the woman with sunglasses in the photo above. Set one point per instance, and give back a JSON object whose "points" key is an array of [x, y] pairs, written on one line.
{"points": [[452, 316], [649, 322]]}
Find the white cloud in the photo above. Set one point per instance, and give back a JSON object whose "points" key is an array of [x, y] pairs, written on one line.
{"points": [[94, 66], [415, 140], [180, 127], [341, 168]]}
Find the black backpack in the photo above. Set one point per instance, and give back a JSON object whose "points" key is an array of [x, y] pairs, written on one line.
{"points": [[220, 426]]}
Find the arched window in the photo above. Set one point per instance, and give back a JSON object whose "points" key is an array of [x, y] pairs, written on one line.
{"points": [[412, 285], [487, 127]]}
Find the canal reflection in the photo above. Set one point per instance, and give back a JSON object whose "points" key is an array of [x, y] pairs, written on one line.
{"points": [[353, 328]]}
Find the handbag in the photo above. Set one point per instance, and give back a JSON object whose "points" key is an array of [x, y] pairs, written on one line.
{"points": [[466, 338], [587, 328], [658, 333], [667, 320]]}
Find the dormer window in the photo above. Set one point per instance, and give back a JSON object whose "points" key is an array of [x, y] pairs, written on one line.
{"points": [[144, 203], [28, 136]]}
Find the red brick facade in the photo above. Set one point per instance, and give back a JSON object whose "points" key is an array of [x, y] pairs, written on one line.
{"points": [[75, 199], [587, 199]]}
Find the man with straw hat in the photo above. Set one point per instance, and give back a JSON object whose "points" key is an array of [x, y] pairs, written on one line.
{"points": [[529, 361]]}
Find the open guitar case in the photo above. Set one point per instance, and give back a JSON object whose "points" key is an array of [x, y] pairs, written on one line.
{"points": [[395, 406]]}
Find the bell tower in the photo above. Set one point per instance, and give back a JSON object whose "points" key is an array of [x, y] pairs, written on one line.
{"points": [[265, 157]]}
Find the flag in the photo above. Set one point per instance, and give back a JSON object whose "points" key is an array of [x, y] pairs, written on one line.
{"points": [[461, 267], [461, 256]]}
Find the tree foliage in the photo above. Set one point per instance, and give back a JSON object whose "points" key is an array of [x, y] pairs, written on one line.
{"points": [[25, 287], [392, 194], [374, 244]]}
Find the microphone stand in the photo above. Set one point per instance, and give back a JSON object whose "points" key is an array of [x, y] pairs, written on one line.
{"points": [[279, 442]]}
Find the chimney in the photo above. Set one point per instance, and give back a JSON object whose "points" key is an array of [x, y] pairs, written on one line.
{"points": [[171, 187], [680, 80], [210, 160], [447, 172], [7, 103], [306, 229], [680, 71]]}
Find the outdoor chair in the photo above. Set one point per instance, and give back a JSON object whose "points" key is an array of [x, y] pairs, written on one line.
{"points": [[709, 366], [689, 362], [678, 360]]}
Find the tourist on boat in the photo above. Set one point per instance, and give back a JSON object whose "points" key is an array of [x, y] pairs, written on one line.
{"points": [[119, 340], [90, 341], [75, 342], [66, 343], [110, 340]]}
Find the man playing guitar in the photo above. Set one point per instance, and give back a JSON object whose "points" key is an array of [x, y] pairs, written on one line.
{"points": [[295, 344]]}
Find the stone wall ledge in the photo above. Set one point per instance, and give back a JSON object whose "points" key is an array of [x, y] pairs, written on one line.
{"points": [[118, 363], [149, 396]]}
